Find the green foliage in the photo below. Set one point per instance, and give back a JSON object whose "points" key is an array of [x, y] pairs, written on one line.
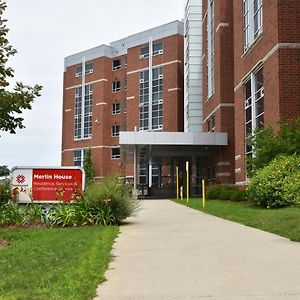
{"points": [[5, 193], [267, 144], [276, 185], [224, 192], [9, 215], [113, 194], [12, 102], [88, 167], [4, 171], [56, 263]]}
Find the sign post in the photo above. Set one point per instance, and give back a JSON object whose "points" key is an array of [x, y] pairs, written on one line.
{"points": [[203, 194]]}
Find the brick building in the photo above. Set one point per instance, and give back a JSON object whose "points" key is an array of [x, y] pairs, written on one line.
{"points": [[251, 73], [106, 91]]}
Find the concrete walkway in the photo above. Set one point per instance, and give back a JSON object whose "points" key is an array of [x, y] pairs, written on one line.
{"points": [[171, 252]]}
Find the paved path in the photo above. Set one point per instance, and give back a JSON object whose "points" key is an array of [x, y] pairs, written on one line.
{"points": [[171, 252]]}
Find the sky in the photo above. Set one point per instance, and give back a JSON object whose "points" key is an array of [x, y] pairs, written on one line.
{"points": [[44, 33]]}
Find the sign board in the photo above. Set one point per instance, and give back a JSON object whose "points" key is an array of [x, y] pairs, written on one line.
{"points": [[47, 184]]}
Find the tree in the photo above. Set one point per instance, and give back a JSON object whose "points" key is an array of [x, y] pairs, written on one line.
{"points": [[88, 167], [21, 97], [4, 171], [267, 144]]}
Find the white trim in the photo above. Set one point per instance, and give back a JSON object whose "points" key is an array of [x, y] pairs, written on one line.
{"points": [[238, 157], [217, 108], [68, 110], [101, 103], [91, 82], [155, 66], [266, 57], [224, 174], [223, 163], [130, 98], [222, 25], [237, 171], [242, 183], [174, 89], [87, 147]]}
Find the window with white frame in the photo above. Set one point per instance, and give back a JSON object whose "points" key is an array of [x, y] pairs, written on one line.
{"points": [[88, 69], [254, 105], [83, 112], [144, 52], [210, 49], [115, 130], [116, 108], [116, 86], [157, 48], [79, 157], [157, 99], [115, 153], [116, 64], [253, 21]]}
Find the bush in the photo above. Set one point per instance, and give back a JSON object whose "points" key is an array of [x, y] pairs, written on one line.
{"points": [[238, 195], [276, 185], [5, 194], [219, 191], [112, 195]]}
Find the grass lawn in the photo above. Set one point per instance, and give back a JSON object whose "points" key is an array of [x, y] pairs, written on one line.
{"points": [[60, 263], [284, 221]]}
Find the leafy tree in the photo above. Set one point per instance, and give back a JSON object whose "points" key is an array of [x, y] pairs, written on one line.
{"points": [[267, 144], [4, 171], [88, 167], [21, 97]]}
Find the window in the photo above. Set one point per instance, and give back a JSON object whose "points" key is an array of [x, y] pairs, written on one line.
{"points": [[254, 105], [125, 61], [115, 130], [144, 52], [116, 64], [253, 21], [125, 106], [115, 153], [210, 49], [116, 108], [157, 48], [208, 124], [83, 112], [79, 157], [125, 84], [116, 86], [88, 69], [156, 97], [213, 122]]}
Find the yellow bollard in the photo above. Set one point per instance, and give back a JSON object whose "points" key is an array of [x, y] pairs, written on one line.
{"points": [[177, 184], [203, 194], [187, 182]]}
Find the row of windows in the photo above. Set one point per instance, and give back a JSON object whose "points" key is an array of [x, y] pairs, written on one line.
{"points": [[157, 49], [79, 154]]}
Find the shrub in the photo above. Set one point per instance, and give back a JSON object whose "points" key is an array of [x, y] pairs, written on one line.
{"points": [[9, 215], [5, 194], [219, 191], [111, 196], [276, 185], [238, 195]]}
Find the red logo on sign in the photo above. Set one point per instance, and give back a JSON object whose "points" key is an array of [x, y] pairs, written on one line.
{"points": [[21, 179]]}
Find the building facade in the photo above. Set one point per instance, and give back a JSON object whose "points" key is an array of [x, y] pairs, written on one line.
{"points": [[134, 84], [251, 68]]}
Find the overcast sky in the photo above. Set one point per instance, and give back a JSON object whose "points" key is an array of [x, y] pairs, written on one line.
{"points": [[44, 32]]}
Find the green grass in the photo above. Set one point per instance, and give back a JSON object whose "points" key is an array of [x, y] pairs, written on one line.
{"points": [[284, 221], [60, 263]]}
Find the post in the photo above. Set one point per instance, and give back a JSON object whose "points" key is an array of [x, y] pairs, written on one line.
{"points": [[203, 194], [177, 183], [187, 181], [181, 193]]}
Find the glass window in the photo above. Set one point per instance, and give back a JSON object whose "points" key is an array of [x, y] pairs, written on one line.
{"points": [[116, 86], [157, 48], [116, 108], [116, 64], [115, 130], [144, 52], [79, 157], [210, 49], [79, 70], [115, 153], [88, 68]]}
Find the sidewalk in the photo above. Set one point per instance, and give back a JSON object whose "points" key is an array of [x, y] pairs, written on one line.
{"points": [[171, 252]]}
